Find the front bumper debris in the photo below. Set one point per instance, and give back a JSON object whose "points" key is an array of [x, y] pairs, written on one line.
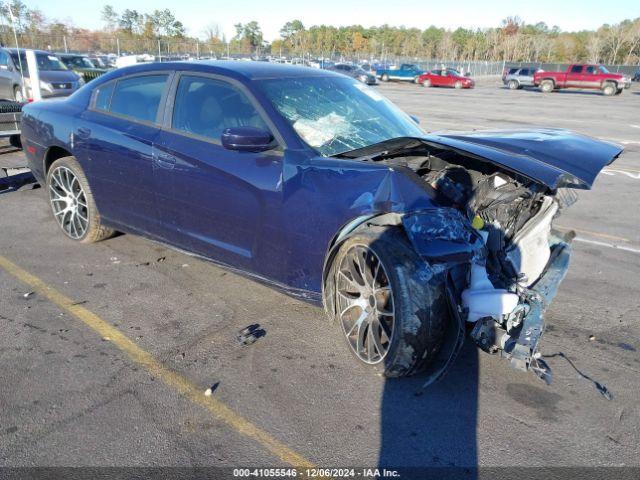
{"points": [[522, 343]]}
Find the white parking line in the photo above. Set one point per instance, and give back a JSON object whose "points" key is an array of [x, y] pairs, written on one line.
{"points": [[614, 171], [608, 245]]}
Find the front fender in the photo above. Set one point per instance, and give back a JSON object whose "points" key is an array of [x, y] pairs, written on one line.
{"points": [[439, 235]]}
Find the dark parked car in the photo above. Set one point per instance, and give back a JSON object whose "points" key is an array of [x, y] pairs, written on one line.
{"points": [[56, 80], [354, 72], [82, 65], [316, 184], [519, 77], [636, 77]]}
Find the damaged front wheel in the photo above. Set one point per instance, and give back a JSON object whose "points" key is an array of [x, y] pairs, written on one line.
{"points": [[389, 304]]}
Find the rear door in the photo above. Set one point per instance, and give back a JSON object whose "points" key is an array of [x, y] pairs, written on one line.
{"points": [[116, 135], [212, 200], [575, 77], [436, 78]]}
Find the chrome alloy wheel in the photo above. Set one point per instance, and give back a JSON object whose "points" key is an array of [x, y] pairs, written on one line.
{"points": [[69, 202], [365, 304]]}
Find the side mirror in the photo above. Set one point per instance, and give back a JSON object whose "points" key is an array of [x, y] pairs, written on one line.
{"points": [[415, 119], [246, 139]]}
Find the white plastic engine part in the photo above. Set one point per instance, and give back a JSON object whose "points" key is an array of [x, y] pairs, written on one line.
{"points": [[482, 299], [529, 252]]}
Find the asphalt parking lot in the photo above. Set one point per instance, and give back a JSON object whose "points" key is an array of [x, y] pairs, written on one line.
{"points": [[107, 349]]}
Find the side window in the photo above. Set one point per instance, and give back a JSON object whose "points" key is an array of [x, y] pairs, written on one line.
{"points": [[591, 70], [206, 107], [576, 69], [103, 96], [3, 58], [138, 97]]}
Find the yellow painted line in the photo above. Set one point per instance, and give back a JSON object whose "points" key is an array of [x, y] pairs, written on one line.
{"points": [[595, 234], [187, 389]]}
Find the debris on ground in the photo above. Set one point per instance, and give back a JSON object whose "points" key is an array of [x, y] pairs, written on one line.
{"points": [[250, 334], [211, 389], [592, 338], [161, 259], [28, 294], [602, 389]]}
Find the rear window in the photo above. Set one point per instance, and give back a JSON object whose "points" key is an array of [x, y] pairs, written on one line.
{"points": [[137, 97]]}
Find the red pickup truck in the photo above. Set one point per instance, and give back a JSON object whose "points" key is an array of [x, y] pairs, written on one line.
{"points": [[582, 76]]}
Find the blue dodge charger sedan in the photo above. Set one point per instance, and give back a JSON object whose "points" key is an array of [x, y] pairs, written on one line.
{"points": [[316, 184]]}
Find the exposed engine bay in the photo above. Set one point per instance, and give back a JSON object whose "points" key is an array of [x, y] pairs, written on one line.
{"points": [[513, 215]]}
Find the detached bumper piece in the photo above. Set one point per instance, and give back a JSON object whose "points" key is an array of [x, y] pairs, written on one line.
{"points": [[518, 338]]}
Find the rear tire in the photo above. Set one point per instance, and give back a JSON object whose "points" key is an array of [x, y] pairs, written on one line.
{"points": [[397, 307], [426, 83], [546, 86], [609, 89], [457, 85], [513, 85], [72, 202]]}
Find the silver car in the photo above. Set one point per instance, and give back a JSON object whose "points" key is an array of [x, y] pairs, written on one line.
{"points": [[517, 78], [10, 78], [56, 80]]}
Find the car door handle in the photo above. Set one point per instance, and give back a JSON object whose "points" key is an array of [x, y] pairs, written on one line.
{"points": [[163, 159], [83, 132]]}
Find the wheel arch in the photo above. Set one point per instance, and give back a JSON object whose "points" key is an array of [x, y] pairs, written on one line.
{"points": [[355, 225], [426, 231], [52, 154]]}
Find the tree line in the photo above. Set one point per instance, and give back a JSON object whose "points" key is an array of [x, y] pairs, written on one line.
{"points": [[514, 40]]}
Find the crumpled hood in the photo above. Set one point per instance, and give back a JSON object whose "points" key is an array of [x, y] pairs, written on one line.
{"points": [[553, 157]]}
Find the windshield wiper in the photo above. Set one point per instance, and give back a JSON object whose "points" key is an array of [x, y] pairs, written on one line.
{"points": [[383, 149]]}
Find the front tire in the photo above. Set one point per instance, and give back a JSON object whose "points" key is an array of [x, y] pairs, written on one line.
{"points": [[390, 307], [457, 85], [514, 85], [72, 203], [385, 78], [609, 89], [426, 83]]}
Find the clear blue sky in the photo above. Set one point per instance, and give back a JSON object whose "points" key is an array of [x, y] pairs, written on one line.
{"points": [[272, 14]]}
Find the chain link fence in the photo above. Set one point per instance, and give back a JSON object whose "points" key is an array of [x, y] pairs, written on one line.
{"points": [[164, 49]]}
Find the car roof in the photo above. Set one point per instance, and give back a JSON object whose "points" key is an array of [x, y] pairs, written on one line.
{"points": [[23, 50], [249, 70]]}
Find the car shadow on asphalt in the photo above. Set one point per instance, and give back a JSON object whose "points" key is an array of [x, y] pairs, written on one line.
{"points": [[431, 433]]}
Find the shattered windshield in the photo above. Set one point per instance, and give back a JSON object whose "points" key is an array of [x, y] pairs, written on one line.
{"points": [[335, 115]]}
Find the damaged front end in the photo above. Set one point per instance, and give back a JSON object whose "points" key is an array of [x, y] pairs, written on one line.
{"points": [[504, 321], [493, 235]]}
